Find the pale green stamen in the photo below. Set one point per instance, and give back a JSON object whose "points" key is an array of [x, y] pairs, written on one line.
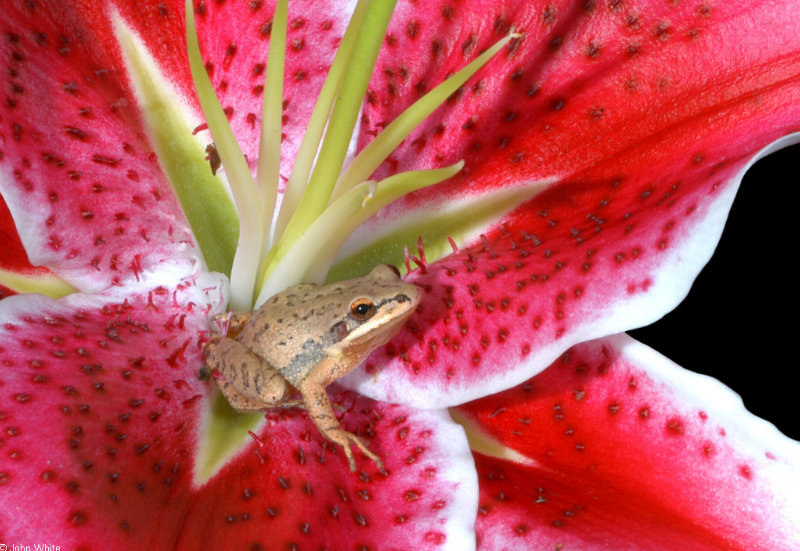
{"points": [[387, 141], [304, 160], [340, 127], [325, 236], [269, 152]]}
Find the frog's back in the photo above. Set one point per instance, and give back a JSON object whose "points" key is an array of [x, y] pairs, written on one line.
{"points": [[298, 328], [290, 330]]}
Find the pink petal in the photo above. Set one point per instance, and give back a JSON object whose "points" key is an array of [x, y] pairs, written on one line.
{"points": [[290, 490], [623, 449], [77, 171], [641, 190], [100, 414], [100, 404]]}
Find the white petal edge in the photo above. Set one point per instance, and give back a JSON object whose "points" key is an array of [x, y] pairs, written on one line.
{"points": [[455, 464], [747, 434]]}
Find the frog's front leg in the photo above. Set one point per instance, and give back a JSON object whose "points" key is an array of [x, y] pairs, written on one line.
{"points": [[319, 409], [247, 381]]}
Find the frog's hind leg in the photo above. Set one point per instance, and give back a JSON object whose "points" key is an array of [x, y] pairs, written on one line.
{"points": [[247, 381], [239, 401]]}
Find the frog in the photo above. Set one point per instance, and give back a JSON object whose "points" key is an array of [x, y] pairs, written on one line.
{"points": [[305, 338]]}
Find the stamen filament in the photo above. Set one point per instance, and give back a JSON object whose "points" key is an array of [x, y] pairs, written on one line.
{"points": [[340, 128], [269, 151], [313, 254], [390, 137]]}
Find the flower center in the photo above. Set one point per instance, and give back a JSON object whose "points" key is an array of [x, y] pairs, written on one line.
{"points": [[322, 204]]}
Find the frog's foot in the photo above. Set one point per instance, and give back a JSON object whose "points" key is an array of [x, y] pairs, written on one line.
{"points": [[344, 439]]}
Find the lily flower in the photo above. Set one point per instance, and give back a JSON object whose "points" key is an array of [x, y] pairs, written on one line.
{"points": [[570, 189]]}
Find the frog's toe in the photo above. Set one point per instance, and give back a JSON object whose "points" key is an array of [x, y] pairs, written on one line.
{"points": [[344, 439], [369, 454], [350, 459], [219, 324]]}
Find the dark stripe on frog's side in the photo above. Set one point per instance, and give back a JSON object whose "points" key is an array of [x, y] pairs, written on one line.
{"points": [[312, 353]]}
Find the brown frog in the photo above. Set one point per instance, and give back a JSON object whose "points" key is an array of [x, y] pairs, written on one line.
{"points": [[308, 336]]}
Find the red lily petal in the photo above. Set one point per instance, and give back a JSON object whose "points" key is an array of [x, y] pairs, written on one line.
{"points": [[497, 313], [12, 254], [76, 170], [644, 176], [289, 489], [626, 450], [589, 87]]}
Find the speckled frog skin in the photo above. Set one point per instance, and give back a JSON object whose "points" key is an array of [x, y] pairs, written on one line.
{"points": [[308, 336]]}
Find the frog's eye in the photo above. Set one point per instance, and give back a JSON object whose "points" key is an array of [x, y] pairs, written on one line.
{"points": [[362, 309]]}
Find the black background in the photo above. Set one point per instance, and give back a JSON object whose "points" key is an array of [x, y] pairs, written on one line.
{"points": [[739, 322]]}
